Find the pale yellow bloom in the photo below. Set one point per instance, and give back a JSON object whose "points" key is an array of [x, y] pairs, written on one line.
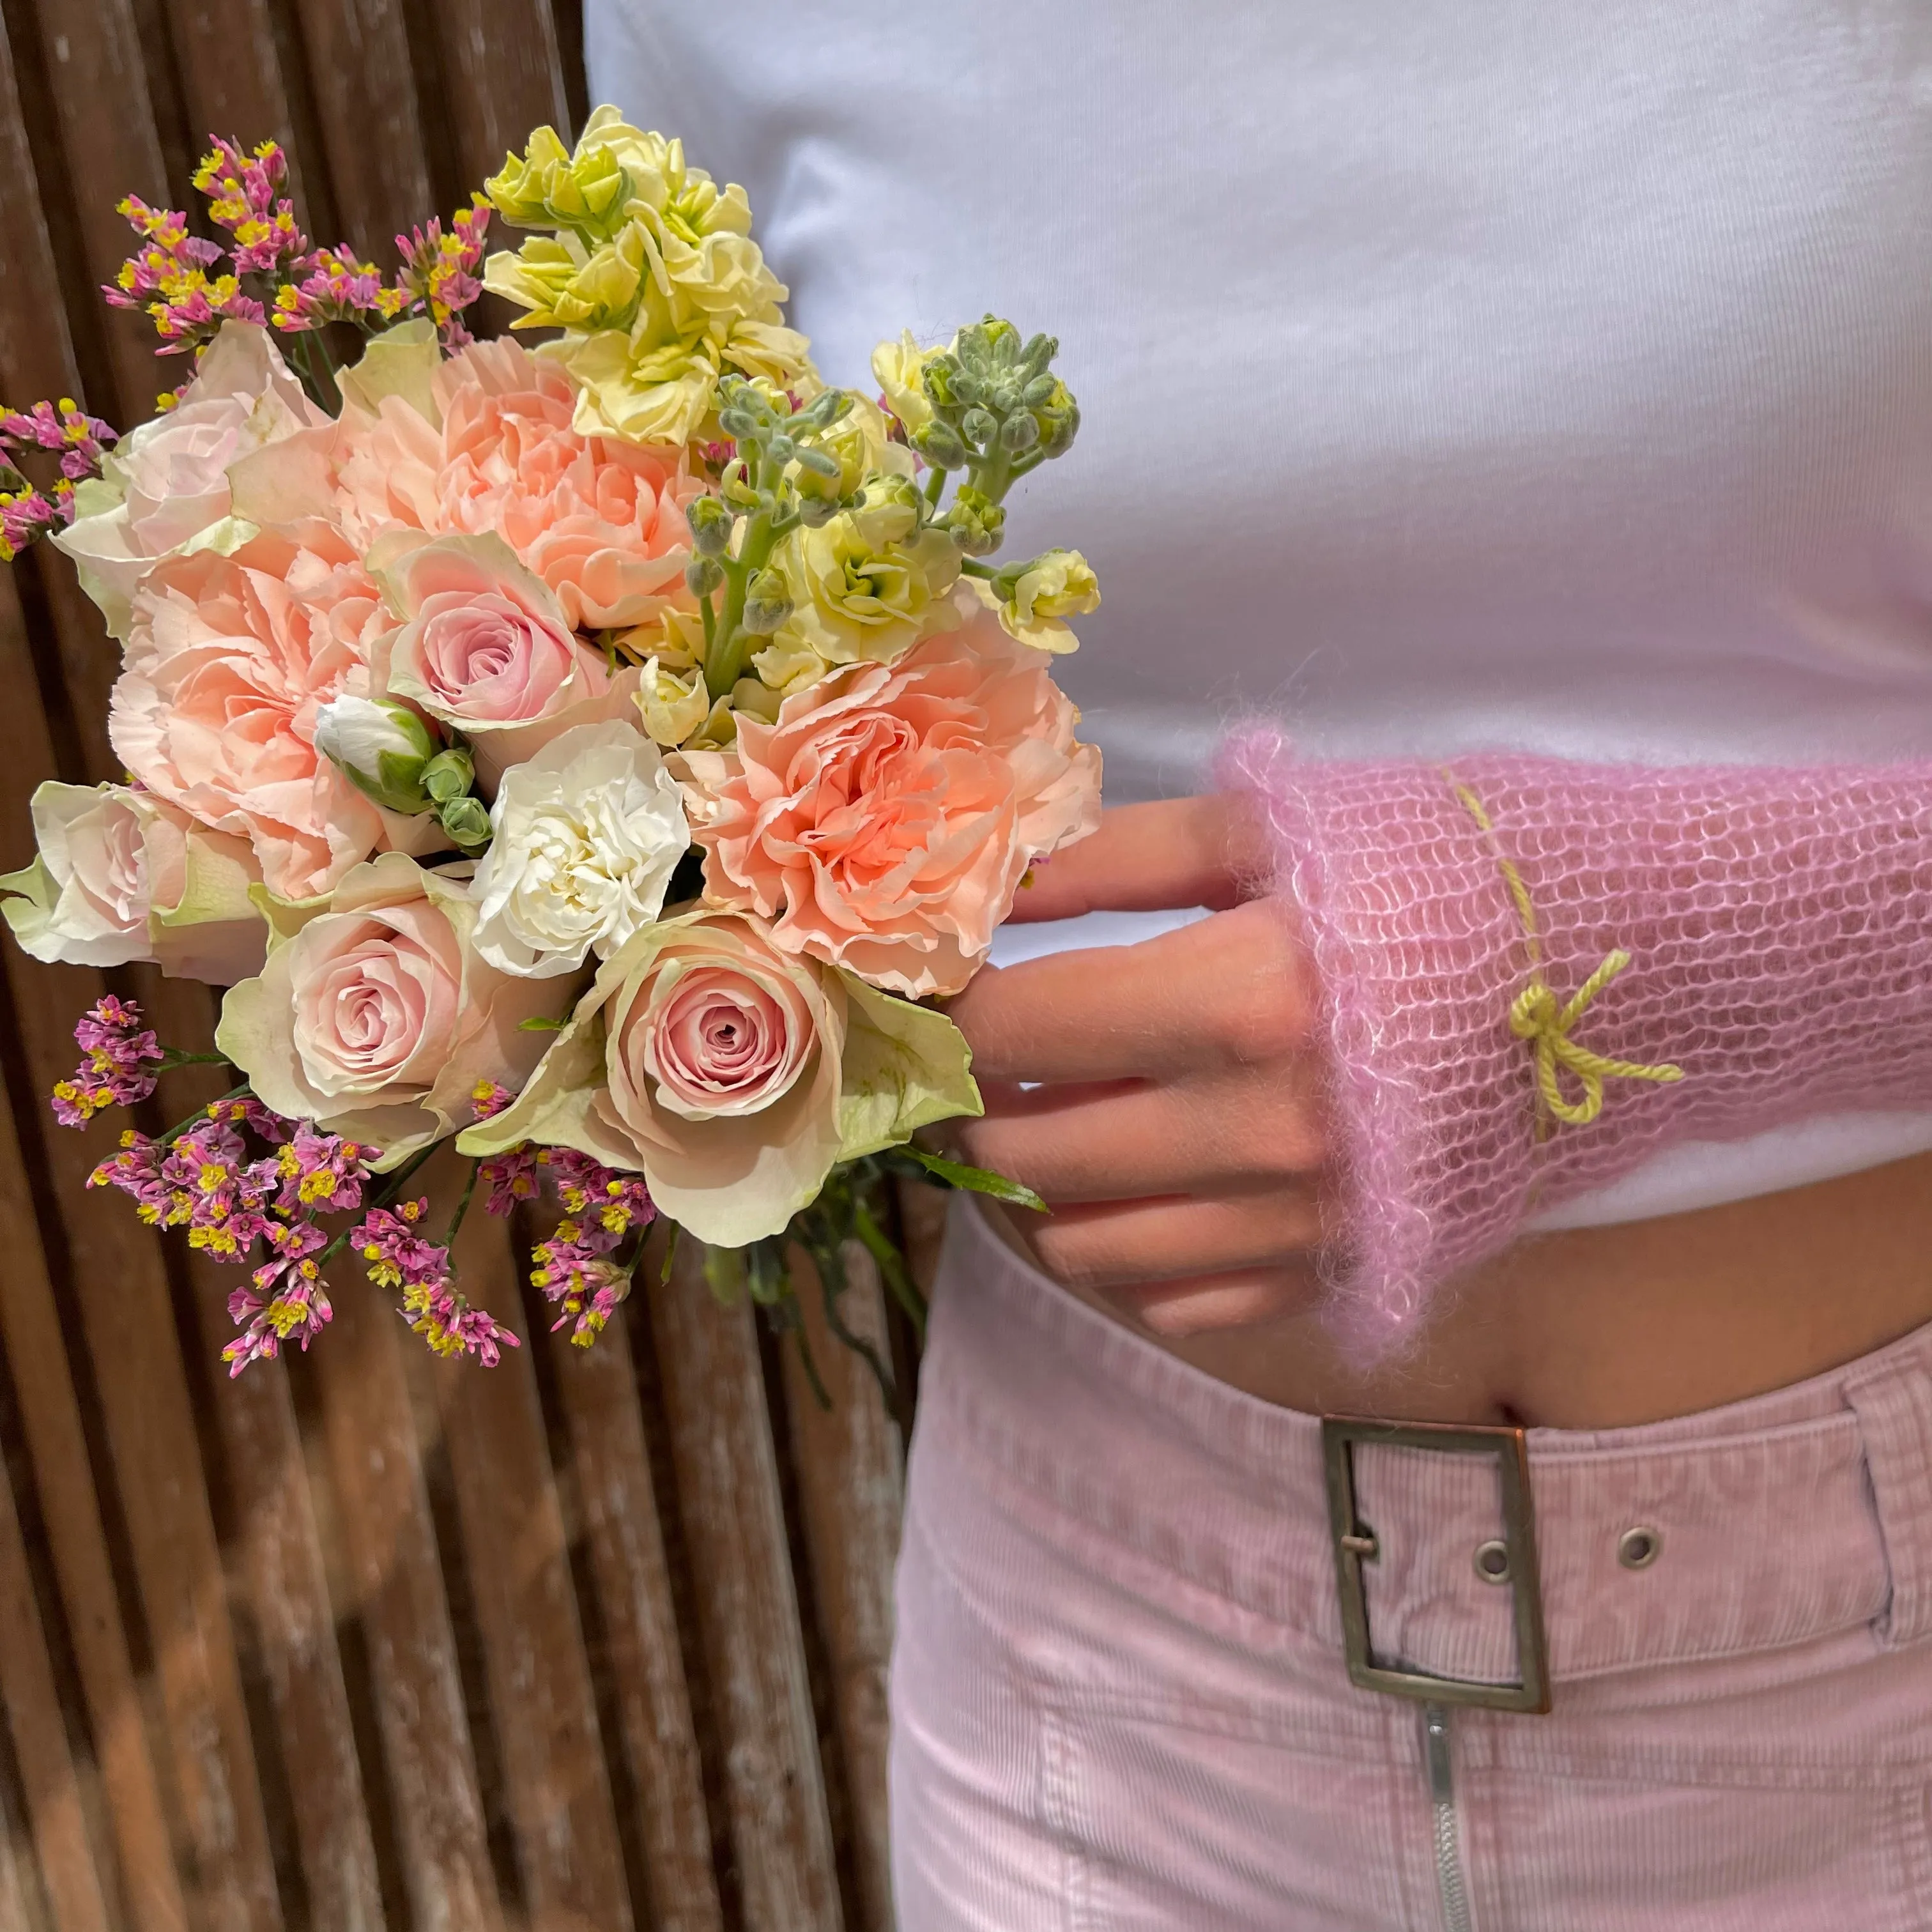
{"points": [[1058, 585], [674, 637], [565, 285], [898, 367], [673, 706], [865, 586], [860, 444], [661, 394], [786, 665]]}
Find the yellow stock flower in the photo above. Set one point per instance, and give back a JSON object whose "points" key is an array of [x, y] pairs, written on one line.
{"points": [[898, 366], [647, 394], [1056, 586], [864, 586], [673, 707], [564, 285], [859, 443]]}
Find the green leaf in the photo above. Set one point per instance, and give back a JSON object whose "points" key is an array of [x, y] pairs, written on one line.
{"points": [[976, 1179], [542, 1023], [905, 1066]]}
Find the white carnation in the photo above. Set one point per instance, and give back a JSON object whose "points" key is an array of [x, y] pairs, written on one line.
{"points": [[584, 838]]}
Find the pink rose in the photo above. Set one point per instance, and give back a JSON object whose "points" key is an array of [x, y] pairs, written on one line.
{"points": [[732, 1075], [121, 876], [485, 647], [886, 820], [228, 662], [167, 481], [377, 1019], [599, 521]]}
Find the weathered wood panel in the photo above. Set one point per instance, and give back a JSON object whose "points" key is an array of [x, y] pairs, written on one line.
{"points": [[596, 1640]]}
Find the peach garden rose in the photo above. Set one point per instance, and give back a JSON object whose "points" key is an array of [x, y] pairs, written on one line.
{"points": [[483, 444], [885, 821], [228, 662]]}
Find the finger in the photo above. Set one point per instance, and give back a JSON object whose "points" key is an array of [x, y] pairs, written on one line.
{"points": [[1227, 989], [1178, 852], [1254, 1127], [1176, 1309], [1111, 1245]]}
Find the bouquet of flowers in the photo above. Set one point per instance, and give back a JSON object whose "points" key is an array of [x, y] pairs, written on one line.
{"points": [[602, 755]]}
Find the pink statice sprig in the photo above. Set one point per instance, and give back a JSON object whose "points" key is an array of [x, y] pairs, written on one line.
{"points": [[80, 441], [586, 1268]]}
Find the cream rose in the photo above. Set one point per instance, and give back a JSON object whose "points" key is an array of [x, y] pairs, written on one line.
{"points": [[733, 1076], [375, 1018], [485, 646], [885, 821], [584, 839], [121, 877], [228, 662], [166, 482]]}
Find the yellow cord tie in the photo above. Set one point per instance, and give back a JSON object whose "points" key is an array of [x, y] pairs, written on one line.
{"points": [[1536, 1017]]}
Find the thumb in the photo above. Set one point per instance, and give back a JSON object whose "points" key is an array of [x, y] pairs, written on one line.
{"points": [[1211, 851]]}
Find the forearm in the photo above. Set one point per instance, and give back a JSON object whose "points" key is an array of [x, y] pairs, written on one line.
{"points": [[1778, 926]]}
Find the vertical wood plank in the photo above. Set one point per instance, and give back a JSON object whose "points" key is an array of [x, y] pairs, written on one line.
{"points": [[281, 1589], [30, 1332], [106, 125], [33, 1717], [849, 1475], [748, 1608], [608, 1477], [365, 89], [503, 76], [122, 1292], [231, 77], [540, 1690], [383, 1511]]}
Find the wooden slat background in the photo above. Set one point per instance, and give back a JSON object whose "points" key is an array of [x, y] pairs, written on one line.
{"points": [[587, 1643]]}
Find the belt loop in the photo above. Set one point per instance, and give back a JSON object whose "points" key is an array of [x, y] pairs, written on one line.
{"points": [[1895, 1413]]}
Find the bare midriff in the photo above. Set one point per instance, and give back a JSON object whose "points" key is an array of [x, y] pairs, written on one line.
{"points": [[1605, 1328]]}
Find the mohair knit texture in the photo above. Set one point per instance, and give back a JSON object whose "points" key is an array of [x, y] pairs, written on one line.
{"points": [[1779, 926]]}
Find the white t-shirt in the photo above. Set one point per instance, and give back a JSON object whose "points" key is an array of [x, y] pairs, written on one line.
{"points": [[1553, 375]]}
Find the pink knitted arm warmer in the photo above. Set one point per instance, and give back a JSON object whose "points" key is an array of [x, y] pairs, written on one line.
{"points": [[1778, 927]]}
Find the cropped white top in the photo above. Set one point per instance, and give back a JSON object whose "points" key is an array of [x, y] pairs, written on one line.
{"points": [[1553, 377]]}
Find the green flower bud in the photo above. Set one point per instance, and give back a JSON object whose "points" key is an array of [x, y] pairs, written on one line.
{"points": [[978, 427], [940, 446], [974, 521], [1019, 433], [449, 775], [467, 822], [767, 603], [711, 521], [703, 575]]}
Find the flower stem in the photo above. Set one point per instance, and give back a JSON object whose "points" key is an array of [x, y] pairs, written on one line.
{"points": [[462, 1206], [174, 1134]]}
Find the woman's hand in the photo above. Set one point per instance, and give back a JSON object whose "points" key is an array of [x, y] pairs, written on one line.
{"points": [[1172, 1118]]}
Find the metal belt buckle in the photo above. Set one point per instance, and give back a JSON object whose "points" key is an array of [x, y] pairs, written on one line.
{"points": [[1355, 1544]]}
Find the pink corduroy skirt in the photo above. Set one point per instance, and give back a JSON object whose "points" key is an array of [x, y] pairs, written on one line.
{"points": [[1120, 1697]]}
